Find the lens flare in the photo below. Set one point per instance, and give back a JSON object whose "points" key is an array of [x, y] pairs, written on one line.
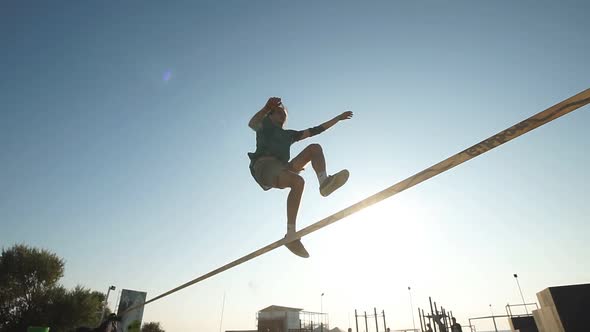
{"points": [[167, 75]]}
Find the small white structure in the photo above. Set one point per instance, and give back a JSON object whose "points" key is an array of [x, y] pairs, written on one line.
{"points": [[279, 319]]}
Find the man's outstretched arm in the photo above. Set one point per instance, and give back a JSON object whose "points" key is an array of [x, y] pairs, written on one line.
{"points": [[324, 126], [256, 120]]}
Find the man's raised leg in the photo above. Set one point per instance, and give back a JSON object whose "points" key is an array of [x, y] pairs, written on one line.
{"points": [[315, 154]]}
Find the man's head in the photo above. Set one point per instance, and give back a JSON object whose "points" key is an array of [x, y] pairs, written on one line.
{"points": [[454, 320], [278, 115]]}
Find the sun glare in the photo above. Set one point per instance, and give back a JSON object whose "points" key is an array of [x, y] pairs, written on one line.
{"points": [[386, 237]]}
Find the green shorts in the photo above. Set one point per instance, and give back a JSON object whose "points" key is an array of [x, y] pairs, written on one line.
{"points": [[266, 170]]}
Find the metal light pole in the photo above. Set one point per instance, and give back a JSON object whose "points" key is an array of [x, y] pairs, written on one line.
{"points": [[104, 305], [322, 312], [493, 319], [222, 309], [521, 296], [412, 307]]}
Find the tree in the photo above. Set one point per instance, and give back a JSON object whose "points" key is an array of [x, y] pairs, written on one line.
{"points": [[152, 327], [31, 296], [26, 276], [77, 307]]}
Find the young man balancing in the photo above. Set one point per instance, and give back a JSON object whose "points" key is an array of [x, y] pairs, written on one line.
{"points": [[271, 166]]}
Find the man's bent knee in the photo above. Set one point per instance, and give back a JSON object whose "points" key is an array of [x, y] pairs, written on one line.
{"points": [[297, 182], [315, 148]]}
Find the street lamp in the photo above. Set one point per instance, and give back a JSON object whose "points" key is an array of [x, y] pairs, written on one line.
{"points": [[322, 312], [412, 307], [493, 319], [104, 305], [521, 296]]}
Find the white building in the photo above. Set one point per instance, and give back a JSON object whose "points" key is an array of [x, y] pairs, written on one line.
{"points": [[279, 319]]}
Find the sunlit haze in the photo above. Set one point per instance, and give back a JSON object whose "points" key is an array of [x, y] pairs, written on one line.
{"points": [[124, 140]]}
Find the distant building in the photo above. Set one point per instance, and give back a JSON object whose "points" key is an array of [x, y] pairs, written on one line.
{"points": [[279, 319], [285, 319]]}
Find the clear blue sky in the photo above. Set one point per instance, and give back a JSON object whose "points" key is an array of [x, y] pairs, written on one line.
{"points": [[123, 135]]}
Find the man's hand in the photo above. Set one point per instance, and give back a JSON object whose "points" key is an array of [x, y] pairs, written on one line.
{"points": [[345, 116], [272, 103]]}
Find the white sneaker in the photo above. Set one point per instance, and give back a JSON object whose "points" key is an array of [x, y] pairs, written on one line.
{"points": [[334, 182]]}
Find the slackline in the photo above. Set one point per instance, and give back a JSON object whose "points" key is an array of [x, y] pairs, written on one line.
{"points": [[486, 145]]}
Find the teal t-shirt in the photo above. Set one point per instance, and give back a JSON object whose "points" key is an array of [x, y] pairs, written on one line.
{"points": [[273, 141]]}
